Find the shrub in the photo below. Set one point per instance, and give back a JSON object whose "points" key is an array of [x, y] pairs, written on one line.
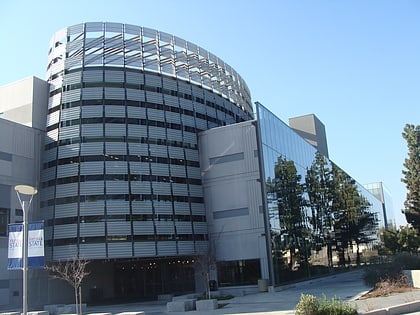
{"points": [[310, 305], [391, 271]]}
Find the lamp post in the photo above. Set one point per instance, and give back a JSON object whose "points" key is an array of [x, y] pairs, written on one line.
{"points": [[25, 195]]}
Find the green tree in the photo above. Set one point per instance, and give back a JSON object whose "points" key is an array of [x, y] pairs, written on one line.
{"points": [[354, 222], [290, 204], [394, 241], [319, 184], [408, 239], [389, 239], [411, 174]]}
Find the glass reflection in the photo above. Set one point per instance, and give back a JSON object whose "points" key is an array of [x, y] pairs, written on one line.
{"points": [[319, 217]]}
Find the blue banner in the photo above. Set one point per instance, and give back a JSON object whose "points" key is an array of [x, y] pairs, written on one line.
{"points": [[35, 246]]}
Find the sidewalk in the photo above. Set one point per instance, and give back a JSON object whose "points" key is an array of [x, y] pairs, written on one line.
{"points": [[346, 287]]}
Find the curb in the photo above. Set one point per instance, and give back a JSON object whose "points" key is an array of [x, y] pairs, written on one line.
{"points": [[396, 309]]}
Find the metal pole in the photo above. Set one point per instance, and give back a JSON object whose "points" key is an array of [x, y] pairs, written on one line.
{"points": [[25, 259], [29, 191]]}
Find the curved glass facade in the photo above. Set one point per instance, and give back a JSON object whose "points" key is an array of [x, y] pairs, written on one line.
{"points": [[121, 175], [318, 216]]}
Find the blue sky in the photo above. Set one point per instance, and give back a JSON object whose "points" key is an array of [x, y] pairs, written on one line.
{"points": [[354, 64]]}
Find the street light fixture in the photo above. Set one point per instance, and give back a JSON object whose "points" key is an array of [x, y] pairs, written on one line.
{"points": [[25, 195]]}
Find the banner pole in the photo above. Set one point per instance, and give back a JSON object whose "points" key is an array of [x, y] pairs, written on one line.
{"points": [[21, 191]]}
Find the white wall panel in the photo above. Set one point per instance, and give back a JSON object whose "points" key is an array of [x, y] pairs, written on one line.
{"points": [[47, 193], [196, 190], [93, 148], [116, 167], [64, 252], [176, 153], [91, 168], [191, 155], [160, 169], [92, 188], [71, 96], [174, 135], [135, 95], [180, 189], [186, 247], [143, 228], [66, 210], [142, 207], [68, 150], [91, 251], [50, 155], [140, 188], [67, 190], [92, 130], [93, 76], [117, 187], [114, 111], [70, 113], [183, 227], [165, 227], [144, 249], [69, 132], [171, 100], [53, 118], [200, 227], [178, 170], [114, 93], [120, 250], [134, 78], [119, 228], [114, 76], [117, 207], [92, 93], [193, 172], [92, 229], [65, 231], [92, 208], [163, 207], [181, 208], [201, 123], [161, 188], [198, 209], [166, 248], [51, 136], [115, 148], [157, 132], [136, 131], [115, 130], [138, 149], [67, 170], [158, 150], [173, 117], [139, 168], [155, 114], [48, 174]]}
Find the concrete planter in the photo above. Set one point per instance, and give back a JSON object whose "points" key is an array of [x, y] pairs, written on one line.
{"points": [[413, 277], [206, 305], [181, 305]]}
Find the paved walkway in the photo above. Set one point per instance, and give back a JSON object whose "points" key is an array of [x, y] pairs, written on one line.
{"points": [[347, 287]]}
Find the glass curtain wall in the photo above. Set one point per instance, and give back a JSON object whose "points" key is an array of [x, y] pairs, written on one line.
{"points": [[319, 217]]}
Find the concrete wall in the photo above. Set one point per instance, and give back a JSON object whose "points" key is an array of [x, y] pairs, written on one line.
{"points": [[232, 193], [19, 164], [25, 102]]}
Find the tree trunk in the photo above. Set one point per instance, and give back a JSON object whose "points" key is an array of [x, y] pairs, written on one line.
{"points": [[76, 295], [80, 301]]}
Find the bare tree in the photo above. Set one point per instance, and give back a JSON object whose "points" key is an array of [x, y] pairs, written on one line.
{"points": [[206, 261], [73, 271]]}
